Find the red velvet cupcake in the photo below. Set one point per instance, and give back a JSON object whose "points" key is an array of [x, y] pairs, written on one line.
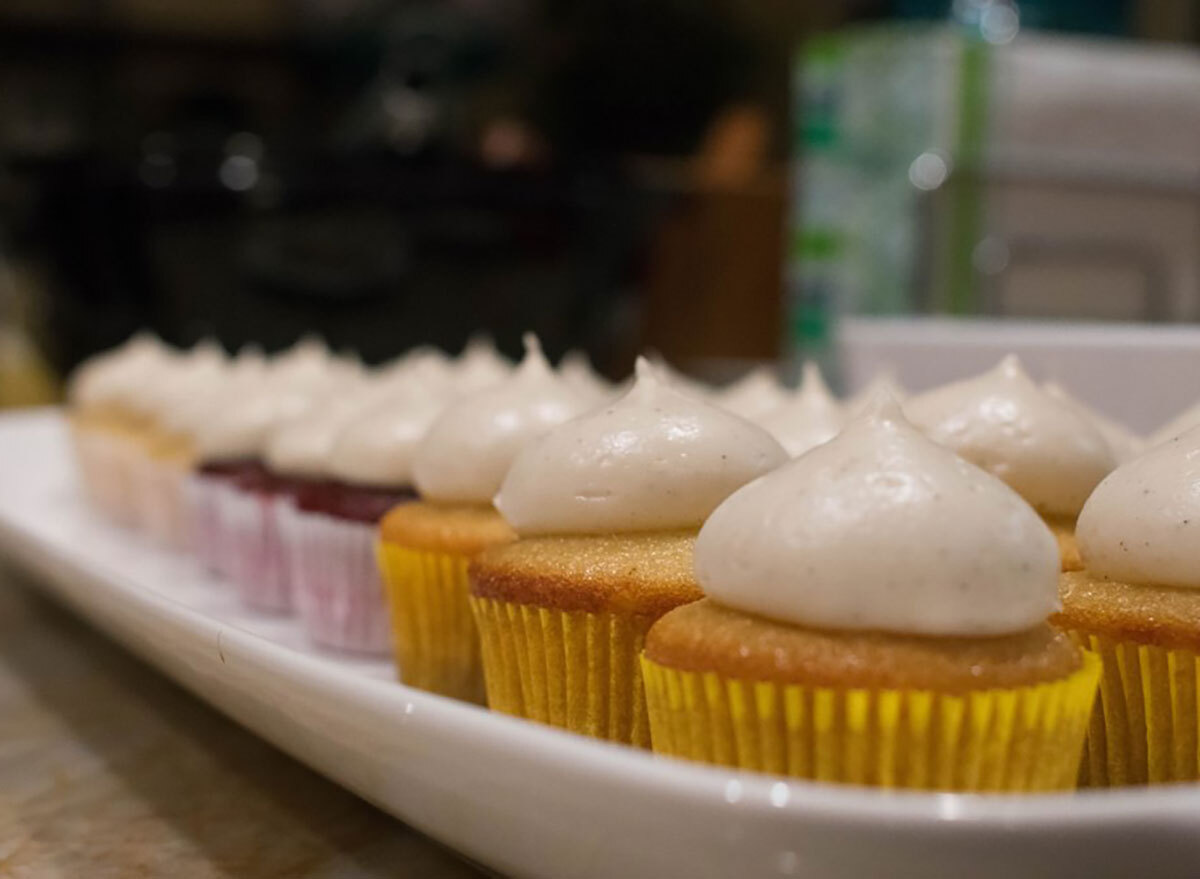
{"points": [[329, 525]]}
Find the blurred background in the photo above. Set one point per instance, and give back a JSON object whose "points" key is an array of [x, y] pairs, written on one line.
{"points": [[721, 180]]}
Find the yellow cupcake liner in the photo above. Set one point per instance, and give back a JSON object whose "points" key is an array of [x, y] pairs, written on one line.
{"points": [[574, 670], [433, 630], [1145, 727], [1020, 739]]}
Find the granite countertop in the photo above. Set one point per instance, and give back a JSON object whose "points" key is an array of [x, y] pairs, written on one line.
{"points": [[108, 769]]}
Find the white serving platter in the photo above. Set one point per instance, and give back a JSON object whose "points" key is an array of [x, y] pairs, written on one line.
{"points": [[520, 798]]}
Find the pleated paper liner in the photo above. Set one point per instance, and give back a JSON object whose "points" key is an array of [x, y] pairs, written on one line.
{"points": [[103, 458], [433, 630], [570, 669], [1145, 727], [335, 580], [257, 564], [1021, 739]]}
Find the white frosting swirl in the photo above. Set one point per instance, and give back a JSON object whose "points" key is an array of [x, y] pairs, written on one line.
{"points": [[292, 384], [576, 370], [884, 381], [655, 459], [754, 394], [377, 447], [189, 413], [882, 529], [811, 417], [182, 379], [304, 447], [1125, 444], [1142, 523], [1003, 422], [467, 451], [117, 376], [479, 366], [1177, 426]]}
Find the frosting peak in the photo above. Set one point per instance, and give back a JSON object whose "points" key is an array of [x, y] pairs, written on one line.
{"points": [[1002, 421], [811, 417], [576, 370], [1142, 523], [882, 529], [377, 447], [655, 459], [884, 380], [480, 366], [756, 392], [470, 446]]}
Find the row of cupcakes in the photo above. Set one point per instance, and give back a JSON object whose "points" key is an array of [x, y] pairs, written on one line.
{"points": [[565, 576]]}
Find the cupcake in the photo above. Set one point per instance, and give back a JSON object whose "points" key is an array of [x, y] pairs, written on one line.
{"points": [[1125, 444], [1042, 448], [1137, 605], [425, 547], [172, 404], [332, 527], [811, 417], [606, 508], [104, 424], [875, 614], [231, 494]]}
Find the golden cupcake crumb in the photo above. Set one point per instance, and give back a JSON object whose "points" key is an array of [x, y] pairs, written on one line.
{"points": [[453, 529], [706, 636], [1160, 616], [643, 574]]}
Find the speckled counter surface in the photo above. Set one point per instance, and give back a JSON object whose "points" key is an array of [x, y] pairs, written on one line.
{"points": [[108, 769]]}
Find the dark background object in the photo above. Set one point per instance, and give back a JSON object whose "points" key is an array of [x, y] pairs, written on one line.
{"points": [[609, 173]]}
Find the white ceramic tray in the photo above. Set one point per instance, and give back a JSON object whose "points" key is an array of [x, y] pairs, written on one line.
{"points": [[524, 799]]}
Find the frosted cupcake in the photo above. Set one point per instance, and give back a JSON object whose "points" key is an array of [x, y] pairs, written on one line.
{"points": [[875, 614], [174, 404], [1137, 605], [425, 547], [104, 422], [338, 589], [231, 493], [1042, 448], [606, 508], [811, 417]]}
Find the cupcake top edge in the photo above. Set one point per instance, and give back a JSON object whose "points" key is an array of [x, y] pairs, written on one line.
{"points": [[469, 448], [655, 459], [811, 416], [881, 529], [1002, 421], [1142, 523], [377, 447]]}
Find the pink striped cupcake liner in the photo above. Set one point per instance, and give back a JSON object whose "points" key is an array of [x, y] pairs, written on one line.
{"points": [[336, 582], [256, 561], [208, 539]]}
